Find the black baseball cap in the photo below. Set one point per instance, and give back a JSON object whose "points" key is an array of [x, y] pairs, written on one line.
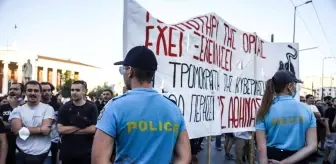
{"points": [[285, 77], [140, 57]]}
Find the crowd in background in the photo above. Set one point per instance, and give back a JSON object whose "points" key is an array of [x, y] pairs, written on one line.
{"points": [[15, 111]]}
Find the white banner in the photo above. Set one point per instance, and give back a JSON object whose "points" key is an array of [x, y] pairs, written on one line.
{"points": [[215, 72]]}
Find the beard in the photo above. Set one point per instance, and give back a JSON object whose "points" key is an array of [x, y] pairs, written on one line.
{"points": [[46, 97], [75, 97], [128, 86], [127, 82]]}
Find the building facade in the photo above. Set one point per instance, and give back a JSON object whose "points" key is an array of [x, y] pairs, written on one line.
{"points": [[44, 68], [327, 91]]}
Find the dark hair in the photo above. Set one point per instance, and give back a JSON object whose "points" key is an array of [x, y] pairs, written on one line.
{"points": [[47, 83], [143, 75], [80, 82], [33, 82], [2, 98], [327, 98], [308, 96], [108, 90], [267, 100], [333, 99], [22, 87], [272, 87]]}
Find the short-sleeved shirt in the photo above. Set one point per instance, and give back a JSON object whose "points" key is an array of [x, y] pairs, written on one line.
{"points": [[330, 114], [314, 109], [76, 145], [54, 133], [5, 111], [33, 117], [286, 123], [144, 124], [2, 127]]}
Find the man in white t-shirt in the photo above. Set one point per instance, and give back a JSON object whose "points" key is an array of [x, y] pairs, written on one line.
{"points": [[32, 123], [319, 120], [311, 103]]}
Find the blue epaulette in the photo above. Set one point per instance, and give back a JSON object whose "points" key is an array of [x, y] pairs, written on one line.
{"points": [[170, 100], [118, 97]]}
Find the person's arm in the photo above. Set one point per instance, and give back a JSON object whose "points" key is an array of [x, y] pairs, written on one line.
{"points": [[15, 121], [261, 142], [309, 148], [48, 119], [93, 119], [3, 144], [102, 141], [182, 150], [317, 114], [326, 122], [334, 123], [3, 148], [62, 120], [66, 129], [104, 138]]}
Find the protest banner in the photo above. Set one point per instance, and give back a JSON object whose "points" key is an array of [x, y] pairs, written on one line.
{"points": [[215, 72]]}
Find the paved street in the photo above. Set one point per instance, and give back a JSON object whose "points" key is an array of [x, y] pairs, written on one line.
{"points": [[217, 157]]}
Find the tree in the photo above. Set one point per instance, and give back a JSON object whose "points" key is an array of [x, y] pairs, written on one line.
{"points": [[66, 87], [97, 91]]}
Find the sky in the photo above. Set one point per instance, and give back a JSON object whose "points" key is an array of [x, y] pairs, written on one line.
{"points": [[91, 31]]}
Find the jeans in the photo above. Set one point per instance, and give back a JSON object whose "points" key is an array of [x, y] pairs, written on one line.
{"points": [[20, 159], [47, 160], [218, 141]]}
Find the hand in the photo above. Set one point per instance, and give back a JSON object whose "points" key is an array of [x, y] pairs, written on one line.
{"points": [[45, 130], [273, 161], [328, 133], [12, 100], [79, 122]]}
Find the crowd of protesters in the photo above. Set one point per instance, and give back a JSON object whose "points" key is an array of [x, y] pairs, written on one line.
{"points": [[142, 126]]}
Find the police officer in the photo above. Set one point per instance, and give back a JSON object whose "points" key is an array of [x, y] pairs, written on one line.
{"points": [[286, 128], [146, 126]]}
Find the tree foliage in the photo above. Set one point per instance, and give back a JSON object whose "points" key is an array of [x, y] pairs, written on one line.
{"points": [[66, 87], [98, 90]]}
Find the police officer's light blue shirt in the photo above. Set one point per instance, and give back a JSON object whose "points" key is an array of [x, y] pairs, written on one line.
{"points": [[286, 123], [145, 126]]}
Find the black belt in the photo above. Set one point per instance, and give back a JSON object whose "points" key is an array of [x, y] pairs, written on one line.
{"points": [[281, 154]]}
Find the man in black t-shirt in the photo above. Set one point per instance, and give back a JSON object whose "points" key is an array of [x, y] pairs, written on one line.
{"points": [[330, 141], [76, 124], [15, 98], [107, 96], [3, 143]]}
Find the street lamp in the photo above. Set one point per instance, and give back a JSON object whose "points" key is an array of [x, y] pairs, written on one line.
{"points": [[295, 7], [329, 57], [306, 49]]}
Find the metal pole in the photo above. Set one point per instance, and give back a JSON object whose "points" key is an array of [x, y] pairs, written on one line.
{"points": [[272, 38], [322, 77], [306, 49], [294, 24]]}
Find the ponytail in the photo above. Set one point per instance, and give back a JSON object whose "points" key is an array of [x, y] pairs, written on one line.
{"points": [[267, 100]]}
